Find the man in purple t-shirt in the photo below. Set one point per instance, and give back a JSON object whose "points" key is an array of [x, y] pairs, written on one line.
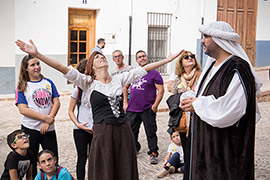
{"points": [[145, 96]]}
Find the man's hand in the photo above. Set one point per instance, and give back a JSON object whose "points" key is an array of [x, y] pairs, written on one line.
{"points": [[154, 108], [125, 105], [186, 104]]}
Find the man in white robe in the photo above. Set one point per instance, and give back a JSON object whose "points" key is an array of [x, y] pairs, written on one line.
{"points": [[223, 127]]}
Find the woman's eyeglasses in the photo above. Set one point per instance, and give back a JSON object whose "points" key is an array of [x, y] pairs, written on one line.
{"points": [[192, 56], [20, 137]]}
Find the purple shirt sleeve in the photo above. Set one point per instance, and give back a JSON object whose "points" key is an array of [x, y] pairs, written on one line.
{"points": [[158, 79]]}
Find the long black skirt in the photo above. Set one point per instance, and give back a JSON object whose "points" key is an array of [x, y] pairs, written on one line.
{"points": [[113, 153]]}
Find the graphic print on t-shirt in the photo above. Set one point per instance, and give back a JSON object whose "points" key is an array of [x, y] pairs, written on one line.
{"points": [[138, 84], [23, 166], [174, 148], [42, 97]]}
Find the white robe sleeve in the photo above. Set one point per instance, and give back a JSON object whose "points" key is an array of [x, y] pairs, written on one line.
{"points": [[226, 110], [132, 75], [79, 79]]}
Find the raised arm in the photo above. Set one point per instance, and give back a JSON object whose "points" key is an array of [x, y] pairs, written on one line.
{"points": [[155, 65], [32, 49]]}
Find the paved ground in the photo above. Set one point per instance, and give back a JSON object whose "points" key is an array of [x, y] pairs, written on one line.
{"points": [[10, 120]]}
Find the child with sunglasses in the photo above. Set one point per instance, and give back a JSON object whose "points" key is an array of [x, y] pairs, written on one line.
{"points": [[37, 100], [20, 161]]}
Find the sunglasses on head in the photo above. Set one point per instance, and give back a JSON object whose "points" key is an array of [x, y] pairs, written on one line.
{"points": [[20, 137], [192, 56]]}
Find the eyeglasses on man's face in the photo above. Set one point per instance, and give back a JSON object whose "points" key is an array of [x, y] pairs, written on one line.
{"points": [[117, 56], [142, 56], [192, 56], [20, 137]]}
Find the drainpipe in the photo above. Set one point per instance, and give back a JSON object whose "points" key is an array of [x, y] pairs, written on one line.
{"points": [[130, 35], [201, 53]]}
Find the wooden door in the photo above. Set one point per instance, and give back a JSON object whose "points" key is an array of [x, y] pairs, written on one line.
{"points": [[242, 16], [81, 34]]}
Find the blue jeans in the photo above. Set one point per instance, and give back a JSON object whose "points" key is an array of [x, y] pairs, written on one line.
{"points": [[175, 161]]}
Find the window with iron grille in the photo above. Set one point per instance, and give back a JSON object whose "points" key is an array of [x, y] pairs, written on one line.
{"points": [[158, 37]]}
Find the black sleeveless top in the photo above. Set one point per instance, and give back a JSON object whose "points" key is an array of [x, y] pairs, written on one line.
{"points": [[107, 109]]}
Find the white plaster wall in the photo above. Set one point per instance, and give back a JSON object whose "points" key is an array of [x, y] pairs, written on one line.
{"points": [[45, 22], [263, 21], [7, 21]]}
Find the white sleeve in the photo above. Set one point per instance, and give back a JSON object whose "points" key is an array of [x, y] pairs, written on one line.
{"points": [[132, 75], [225, 110], [75, 93], [170, 148], [79, 79]]}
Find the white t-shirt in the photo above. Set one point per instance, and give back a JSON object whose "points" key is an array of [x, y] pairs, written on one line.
{"points": [[38, 97], [175, 148], [85, 109]]}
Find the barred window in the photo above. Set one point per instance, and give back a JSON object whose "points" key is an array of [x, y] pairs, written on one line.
{"points": [[158, 37]]}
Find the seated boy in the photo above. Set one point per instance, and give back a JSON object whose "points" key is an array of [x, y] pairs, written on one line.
{"points": [[20, 161], [48, 169], [174, 161]]}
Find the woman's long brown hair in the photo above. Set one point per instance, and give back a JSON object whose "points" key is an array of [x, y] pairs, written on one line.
{"points": [[24, 76]]}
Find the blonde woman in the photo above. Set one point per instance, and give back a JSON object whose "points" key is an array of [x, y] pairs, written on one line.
{"points": [[187, 71]]}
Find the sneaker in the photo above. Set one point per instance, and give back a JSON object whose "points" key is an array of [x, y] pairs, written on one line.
{"points": [[172, 170], [153, 158], [162, 173]]}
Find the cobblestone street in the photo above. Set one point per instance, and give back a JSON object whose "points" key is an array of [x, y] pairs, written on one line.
{"points": [[10, 120]]}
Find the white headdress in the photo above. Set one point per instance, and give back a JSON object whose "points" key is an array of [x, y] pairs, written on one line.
{"points": [[224, 36]]}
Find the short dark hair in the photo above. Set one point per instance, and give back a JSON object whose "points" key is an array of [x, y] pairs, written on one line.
{"points": [[11, 137], [140, 51], [82, 65], [173, 131], [100, 40], [43, 152]]}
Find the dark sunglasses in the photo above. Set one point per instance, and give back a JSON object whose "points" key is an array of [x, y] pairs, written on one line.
{"points": [[20, 137], [192, 56]]}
